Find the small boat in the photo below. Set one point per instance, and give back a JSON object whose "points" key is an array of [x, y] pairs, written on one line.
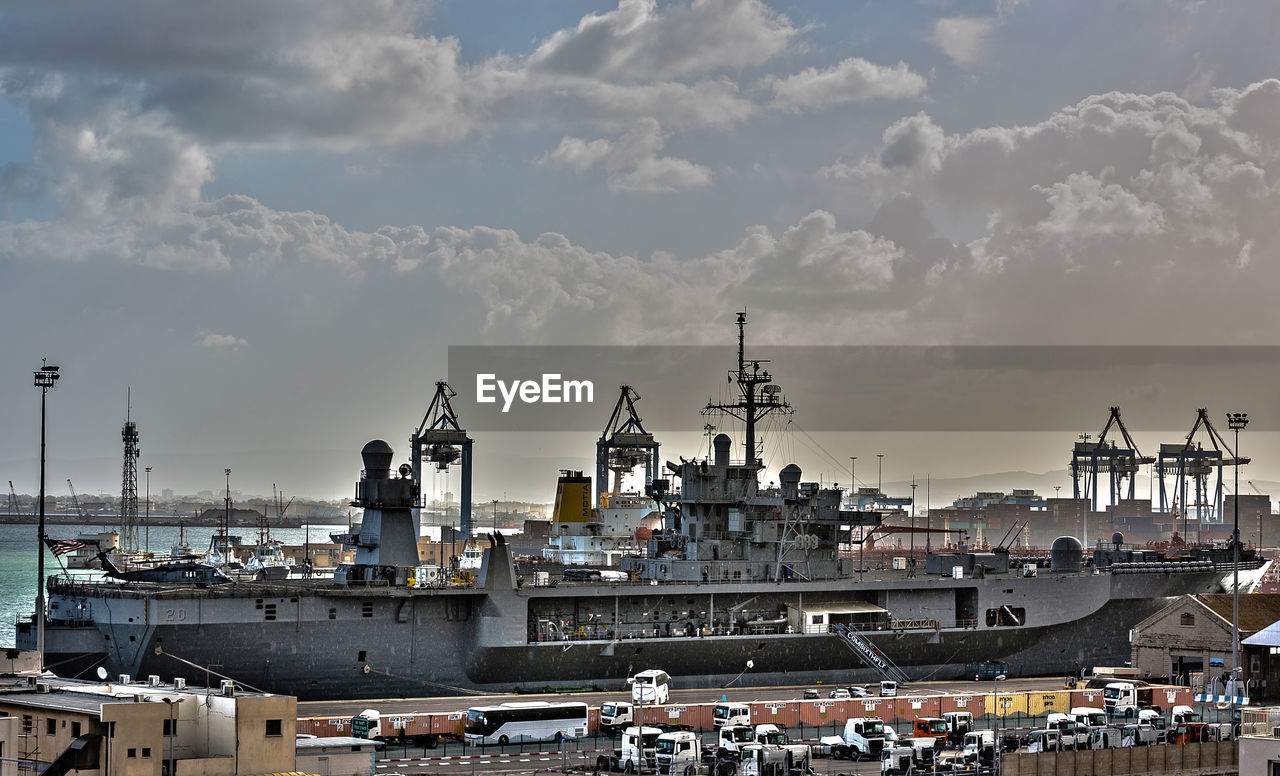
{"points": [[268, 562]]}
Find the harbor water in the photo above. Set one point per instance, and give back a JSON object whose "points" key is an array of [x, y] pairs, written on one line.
{"points": [[18, 558]]}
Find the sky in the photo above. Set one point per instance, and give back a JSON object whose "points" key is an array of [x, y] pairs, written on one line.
{"points": [[268, 222]]}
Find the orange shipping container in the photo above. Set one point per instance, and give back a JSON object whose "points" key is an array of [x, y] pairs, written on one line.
{"points": [[961, 702]]}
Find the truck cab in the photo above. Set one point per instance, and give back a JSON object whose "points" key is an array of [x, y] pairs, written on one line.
{"points": [[1181, 714], [763, 760], [1088, 717], [931, 727], [959, 723], [677, 753], [723, 714], [1120, 698], [733, 737], [1073, 736], [980, 747], [1139, 735], [897, 760], [865, 737], [1043, 741], [636, 743], [616, 715]]}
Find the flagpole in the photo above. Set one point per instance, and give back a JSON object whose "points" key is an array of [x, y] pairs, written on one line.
{"points": [[44, 380]]}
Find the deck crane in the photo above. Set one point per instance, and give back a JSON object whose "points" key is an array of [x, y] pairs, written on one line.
{"points": [[440, 440], [1191, 460], [1089, 458]]}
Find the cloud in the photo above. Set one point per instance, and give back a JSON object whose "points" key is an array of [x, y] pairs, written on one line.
{"points": [[632, 162], [637, 40], [851, 80], [963, 38], [221, 341], [1127, 200]]}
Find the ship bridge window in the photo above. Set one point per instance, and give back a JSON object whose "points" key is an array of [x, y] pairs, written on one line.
{"points": [[1006, 616]]}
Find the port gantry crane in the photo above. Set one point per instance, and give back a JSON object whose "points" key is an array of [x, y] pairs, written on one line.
{"points": [[1190, 460], [1089, 458], [623, 446], [441, 440]]}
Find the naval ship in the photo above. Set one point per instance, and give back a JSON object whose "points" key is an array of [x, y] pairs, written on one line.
{"points": [[743, 583]]}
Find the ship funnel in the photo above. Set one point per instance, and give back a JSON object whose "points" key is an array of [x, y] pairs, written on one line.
{"points": [[1066, 554], [789, 477], [377, 457], [721, 444]]}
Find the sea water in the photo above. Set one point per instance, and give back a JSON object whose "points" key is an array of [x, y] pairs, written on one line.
{"points": [[18, 558]]}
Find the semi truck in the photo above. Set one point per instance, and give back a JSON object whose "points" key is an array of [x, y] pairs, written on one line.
{"points": [[637, 743], [677, 753], [1127, 699], [863, 737], [372, 725]]}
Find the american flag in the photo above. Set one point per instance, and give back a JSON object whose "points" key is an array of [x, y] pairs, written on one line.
{"points": [[60, 547]]}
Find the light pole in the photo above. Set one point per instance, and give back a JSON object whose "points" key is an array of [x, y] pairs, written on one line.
{"points": [[495, 515], [880, 475], [44, 380], [1236, 421], [995, 739], [913, 518], [147, 522], [853, 480]]}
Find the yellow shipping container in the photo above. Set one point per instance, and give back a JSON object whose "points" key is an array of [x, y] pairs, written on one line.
{"points": [[1004, 704], [1039, 703]]}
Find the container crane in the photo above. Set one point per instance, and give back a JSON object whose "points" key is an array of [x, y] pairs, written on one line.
{"points": [[442, 441], [623, 446], [1191, 460], [1088, 459]]}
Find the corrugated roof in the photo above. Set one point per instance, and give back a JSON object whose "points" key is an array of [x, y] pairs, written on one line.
{"points": [[1267, 637], [1257, 610]]}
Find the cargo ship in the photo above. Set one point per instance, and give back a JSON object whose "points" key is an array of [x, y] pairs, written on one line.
{"points": [[741, 583]]}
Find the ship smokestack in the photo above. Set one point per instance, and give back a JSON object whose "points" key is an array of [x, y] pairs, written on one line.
{"points": [[789, 477], [721, 444], [377, 457]]}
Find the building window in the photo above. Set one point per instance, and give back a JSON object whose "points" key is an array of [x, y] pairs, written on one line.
{"points": [[51, 727], [170, 727], [1187, 618], [27, 724], [75, 729], [273, 727], [133, 753], [146, 751]]}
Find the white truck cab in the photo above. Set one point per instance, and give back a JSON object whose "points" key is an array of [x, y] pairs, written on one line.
{"points": [[677, 753], [733, 737], [723, 714], [979, 746], [616, 715], [1073, 736], [888, 689], [1043, 741], [1089, 717], [633, 748], [865, 737]]}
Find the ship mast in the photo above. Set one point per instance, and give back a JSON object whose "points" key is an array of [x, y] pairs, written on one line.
{"points": [[755, 403]]}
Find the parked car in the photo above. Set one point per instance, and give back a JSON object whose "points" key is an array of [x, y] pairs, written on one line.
{"points": [[811, 693], [859, 692], [840, 693]]}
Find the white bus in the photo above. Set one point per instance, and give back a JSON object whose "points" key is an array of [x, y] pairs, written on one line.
{"points": [[533, 721]]}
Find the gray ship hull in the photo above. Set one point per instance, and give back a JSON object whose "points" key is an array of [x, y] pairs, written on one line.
{"points": [[323, 643]]}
